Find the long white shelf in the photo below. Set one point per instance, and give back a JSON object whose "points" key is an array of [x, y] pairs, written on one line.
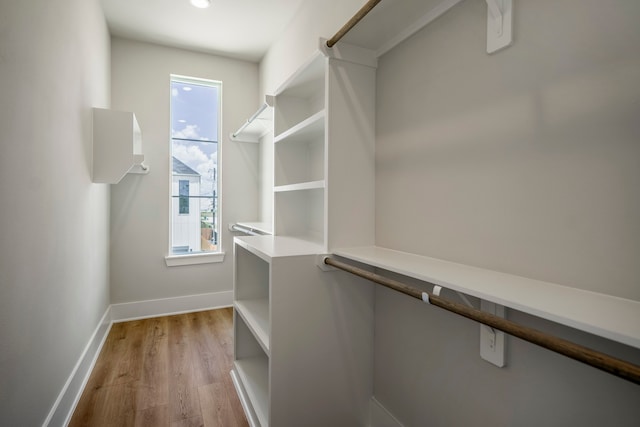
{"points": [[311, 185], [255, 313], [253, 374], [604, 315], [309, 127], [268, 247]]}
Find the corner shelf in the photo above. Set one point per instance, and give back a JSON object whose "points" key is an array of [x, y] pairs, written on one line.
{"points": [[117, 146], [603, 315], [256, 126]]}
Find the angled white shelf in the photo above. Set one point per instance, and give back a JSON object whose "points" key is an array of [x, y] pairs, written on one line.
{"points": [[256, 126], [255, 313], [310, 127], [300, 186], [117, 146], [611, 317], [253, 374]]}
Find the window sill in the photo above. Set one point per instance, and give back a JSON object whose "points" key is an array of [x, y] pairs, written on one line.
{"points": [[192, 259]]}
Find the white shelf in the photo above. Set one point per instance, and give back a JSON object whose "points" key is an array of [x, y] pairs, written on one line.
{"points": [[300, 186], [256, 315], [307, 80], [303, 131], [253, 374], [393, 21], [117, 146], [611, 317], [268, 247], [256, 126]]}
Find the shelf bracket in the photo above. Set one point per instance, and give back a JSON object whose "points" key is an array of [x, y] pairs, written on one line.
{"points": [[492, 341], [499, 34]]}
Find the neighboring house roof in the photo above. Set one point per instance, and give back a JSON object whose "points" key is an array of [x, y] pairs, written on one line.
{"points": [[180, 168]]}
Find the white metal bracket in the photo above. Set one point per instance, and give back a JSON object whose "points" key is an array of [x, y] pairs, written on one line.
{"points": [[492, 342], [499, 34]]}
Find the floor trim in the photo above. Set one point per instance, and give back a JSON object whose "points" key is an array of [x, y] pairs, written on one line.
{"points": [[65, 404], [168, 306], [380, 416]]}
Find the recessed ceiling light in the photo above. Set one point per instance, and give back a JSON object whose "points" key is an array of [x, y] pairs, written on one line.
{"points": [[202, 4]]}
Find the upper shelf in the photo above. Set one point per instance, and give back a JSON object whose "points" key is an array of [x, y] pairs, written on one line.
{"points": [[393, 21], [604, 315], [117, 146], [257, 125]]}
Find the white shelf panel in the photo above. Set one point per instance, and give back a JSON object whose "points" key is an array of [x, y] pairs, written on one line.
{"points": [[308, 128], [255, 313], [264, 227], [268, 247], [604, 315], [300, 186], [306, 79], [257, 125], [253, 374]]}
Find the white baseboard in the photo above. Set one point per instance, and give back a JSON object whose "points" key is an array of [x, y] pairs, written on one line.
{"points": [[65, 404], [168, 306], [380, 416]]}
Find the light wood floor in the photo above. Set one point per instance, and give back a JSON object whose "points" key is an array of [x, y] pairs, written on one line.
{"points": [[168, 371]]}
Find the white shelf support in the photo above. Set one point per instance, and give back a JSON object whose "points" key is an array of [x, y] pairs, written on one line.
{"points": [[492, 341], [499, 24]]}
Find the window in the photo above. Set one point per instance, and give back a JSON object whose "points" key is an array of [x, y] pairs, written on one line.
{"points": [[183, 196], [195, 130]]}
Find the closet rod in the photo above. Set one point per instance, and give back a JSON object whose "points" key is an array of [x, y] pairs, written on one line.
{"points": [[605, 362], [352, 22]]}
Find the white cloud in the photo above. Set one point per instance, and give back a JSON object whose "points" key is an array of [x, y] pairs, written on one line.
{"points": [[188, 132]]}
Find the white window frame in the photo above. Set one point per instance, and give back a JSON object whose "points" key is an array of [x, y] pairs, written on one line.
{"points": [[175, 260]]}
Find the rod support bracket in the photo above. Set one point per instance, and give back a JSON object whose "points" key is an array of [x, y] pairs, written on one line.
{"points": [[499, 22], [320, 263]]}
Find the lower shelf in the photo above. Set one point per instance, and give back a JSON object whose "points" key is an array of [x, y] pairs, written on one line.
{"points": [[251, 378]]}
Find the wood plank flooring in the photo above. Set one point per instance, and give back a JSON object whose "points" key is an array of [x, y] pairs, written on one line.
{"points": [[168, 371]]}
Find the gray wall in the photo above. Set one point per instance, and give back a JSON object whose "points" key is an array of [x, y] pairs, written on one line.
{"points": [[527, 162], [54, 222], [140, 203]]}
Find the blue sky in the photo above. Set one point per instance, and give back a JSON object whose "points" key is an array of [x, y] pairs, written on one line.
{"points": [[194, 116]]}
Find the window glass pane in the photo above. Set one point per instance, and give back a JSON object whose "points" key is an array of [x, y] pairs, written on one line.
{"points": [[194, 166], [194, 111]]}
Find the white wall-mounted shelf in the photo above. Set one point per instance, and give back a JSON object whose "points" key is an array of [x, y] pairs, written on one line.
{"points": [[611, 317], [300, 186], [256, 126], [117, 146]]}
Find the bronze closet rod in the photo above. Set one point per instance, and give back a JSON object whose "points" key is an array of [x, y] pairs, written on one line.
{"points": [[352, 22], [605, 362]]}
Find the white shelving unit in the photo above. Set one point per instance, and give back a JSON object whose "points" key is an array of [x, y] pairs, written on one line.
{"points": [[614, 318], [324, 149], [117, 146], [292, 364], [291, 318]]}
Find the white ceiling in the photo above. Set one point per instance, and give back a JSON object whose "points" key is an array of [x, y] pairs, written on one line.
{"points": [[242, 29]]}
